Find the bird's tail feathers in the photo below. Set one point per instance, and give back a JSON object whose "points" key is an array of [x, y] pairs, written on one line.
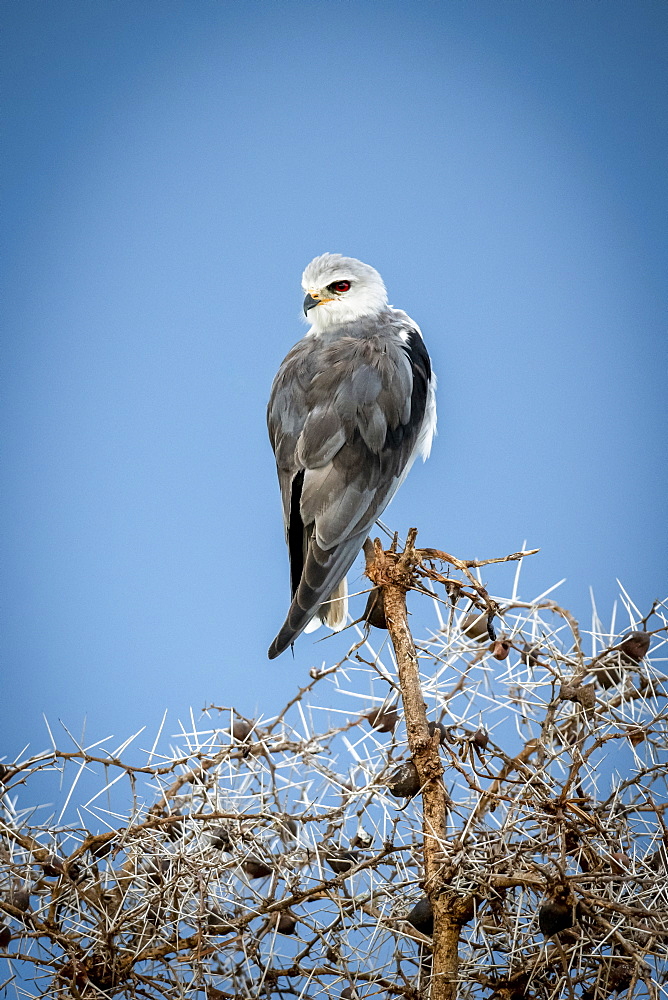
{"points": [[323, 575], [334, 611]]}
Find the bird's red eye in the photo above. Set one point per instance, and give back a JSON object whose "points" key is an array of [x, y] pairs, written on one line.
{"points": [[339, 286]]}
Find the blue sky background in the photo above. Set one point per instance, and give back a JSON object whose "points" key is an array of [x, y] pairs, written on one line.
{"points": [[170, 170]]}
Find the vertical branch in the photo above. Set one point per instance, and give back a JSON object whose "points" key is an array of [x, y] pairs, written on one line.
{"points": [[396, 575]]}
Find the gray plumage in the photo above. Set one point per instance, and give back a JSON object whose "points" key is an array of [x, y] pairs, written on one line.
{"points": [[350, 408]]}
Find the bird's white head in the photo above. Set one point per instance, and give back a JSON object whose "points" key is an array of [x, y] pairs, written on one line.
{"points": [[341, 289]]}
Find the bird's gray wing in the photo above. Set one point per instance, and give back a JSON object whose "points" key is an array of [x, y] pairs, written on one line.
{"points": [[286, 415], [361, 402]]}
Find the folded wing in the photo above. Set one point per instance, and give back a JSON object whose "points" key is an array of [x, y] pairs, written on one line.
{"points": [[345, 419]]}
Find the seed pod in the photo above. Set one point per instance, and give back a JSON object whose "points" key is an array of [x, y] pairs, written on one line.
{"points": [[220, 839], [155, 914], [100, 849], [587, 697], [341, 861], [474, 626], [158, 869], [405, 781], [20, 898], [500, 649], [530, 655], [658, 861], [620, 863], [620, 977], [582, 694], [287, 827], [240, 729], [481, 738], [572, 841], [442, 731], [362, 839], [255, 868], [175, 828], [636, 735], [73, 871], [634, 646], [422, 916], [53, 866], [286, 923], [218, 923], [382, 719], [568, 691], [608, 673], [374, 612], [554, 917], [100, 973], [5, 935]]}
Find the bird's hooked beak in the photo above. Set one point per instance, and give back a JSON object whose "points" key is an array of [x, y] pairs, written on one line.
{"points": [[309, 302], [313, 299]]}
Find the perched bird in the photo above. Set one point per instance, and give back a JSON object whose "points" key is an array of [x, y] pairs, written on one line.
{"points": [[351, 407]]}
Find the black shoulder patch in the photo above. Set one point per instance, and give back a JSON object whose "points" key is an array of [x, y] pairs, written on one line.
{"points": [[417, 352], [421, 368]]}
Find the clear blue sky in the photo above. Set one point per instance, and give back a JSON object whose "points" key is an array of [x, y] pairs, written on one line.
{"points": [[170, 170]]}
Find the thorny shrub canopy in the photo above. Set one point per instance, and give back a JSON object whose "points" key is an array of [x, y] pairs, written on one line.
{"points": [[270, 857]]}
